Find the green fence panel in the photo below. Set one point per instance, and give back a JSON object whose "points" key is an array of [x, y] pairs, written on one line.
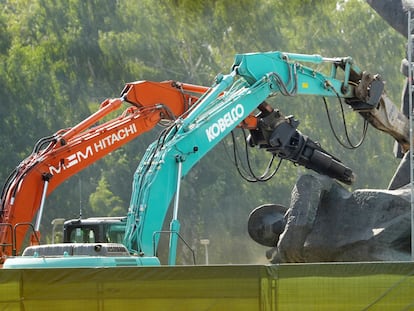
{"points": [[330, 286]]}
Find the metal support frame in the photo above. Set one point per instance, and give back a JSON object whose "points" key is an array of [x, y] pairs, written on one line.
{"points": [[409, 6]]}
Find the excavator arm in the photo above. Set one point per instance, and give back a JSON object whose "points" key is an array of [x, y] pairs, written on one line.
{"points": [[234, 97], [56, 158]]}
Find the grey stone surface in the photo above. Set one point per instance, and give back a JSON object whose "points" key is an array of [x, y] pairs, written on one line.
{"points": [[326, 222], [393, 12]]}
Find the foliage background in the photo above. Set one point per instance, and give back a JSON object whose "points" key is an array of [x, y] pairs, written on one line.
{"points": [[60, 59]]}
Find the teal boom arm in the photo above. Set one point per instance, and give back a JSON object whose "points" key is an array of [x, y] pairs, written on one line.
{"points": [[254, 77]]}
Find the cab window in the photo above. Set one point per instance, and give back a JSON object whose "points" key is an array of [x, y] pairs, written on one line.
{"points": [[82, 235]]}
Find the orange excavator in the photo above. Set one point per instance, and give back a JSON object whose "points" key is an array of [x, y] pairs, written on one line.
{"points": [[56, 158]]}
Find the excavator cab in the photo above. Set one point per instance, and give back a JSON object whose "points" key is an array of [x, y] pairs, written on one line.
{"points": [[94, 230]]}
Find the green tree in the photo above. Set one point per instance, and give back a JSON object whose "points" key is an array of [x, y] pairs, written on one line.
{"points": [[104, 201]]}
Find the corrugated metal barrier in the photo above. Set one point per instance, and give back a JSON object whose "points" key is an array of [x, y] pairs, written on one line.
{"points": [[333, 286]]}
